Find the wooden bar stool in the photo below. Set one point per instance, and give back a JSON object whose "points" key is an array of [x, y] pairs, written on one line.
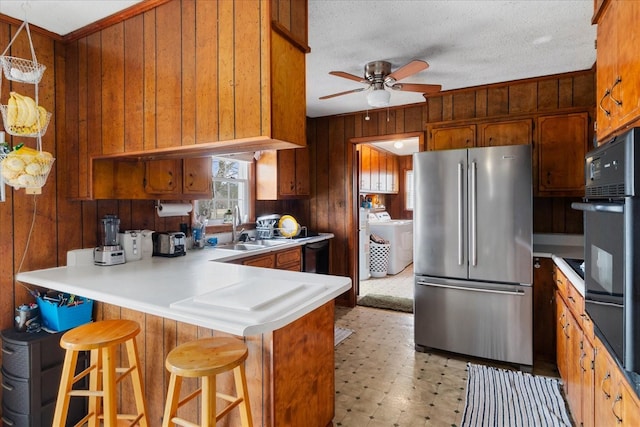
{"points": [[101, 339], [205, 358]]}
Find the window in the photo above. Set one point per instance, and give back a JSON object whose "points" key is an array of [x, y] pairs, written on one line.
{"points": [[408, 190], [230, 188]]}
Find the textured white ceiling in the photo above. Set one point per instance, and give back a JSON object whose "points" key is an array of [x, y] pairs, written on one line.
{"points": [[466, 43], [62, 16]]}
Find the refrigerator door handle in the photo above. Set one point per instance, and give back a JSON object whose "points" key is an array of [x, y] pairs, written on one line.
{"points": [[467, 288], [460, 215], [473, 216]]}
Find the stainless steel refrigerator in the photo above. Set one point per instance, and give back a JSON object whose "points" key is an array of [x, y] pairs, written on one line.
{"points": [[473, 252]]}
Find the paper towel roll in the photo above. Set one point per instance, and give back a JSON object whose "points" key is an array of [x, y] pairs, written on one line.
{"points": [[173, 209]]}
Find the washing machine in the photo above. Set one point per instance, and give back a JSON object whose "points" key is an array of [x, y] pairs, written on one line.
{"points": [[399, 234]]}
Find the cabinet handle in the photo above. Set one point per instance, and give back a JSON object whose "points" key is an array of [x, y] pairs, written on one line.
{"points": [[606, 94], [572, 299], [616, 83], [7, 421], [613, 408], [6, 386], [606, 377], [7, 351]]}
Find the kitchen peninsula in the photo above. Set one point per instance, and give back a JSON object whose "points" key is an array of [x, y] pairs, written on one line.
{"points": [[286, 319]]}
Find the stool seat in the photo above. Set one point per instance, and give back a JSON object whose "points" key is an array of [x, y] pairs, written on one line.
{"points": [[205, 358], [99, 334], [101, 339]]}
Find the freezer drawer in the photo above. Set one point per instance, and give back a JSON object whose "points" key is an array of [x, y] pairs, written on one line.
{"points": [[491, 321]]}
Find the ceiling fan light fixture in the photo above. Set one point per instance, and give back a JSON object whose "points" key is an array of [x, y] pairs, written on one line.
{"points": [[378, 98]]}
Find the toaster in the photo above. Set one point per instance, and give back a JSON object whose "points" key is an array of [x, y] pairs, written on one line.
{"points": [[169, 244]]}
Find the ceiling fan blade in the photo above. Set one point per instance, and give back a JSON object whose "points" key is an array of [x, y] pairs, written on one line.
{"points": [[348, 76], [416, 87], [343, 93], [407, 70]]}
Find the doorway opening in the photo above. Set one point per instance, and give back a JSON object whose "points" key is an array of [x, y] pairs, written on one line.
{"points": [[384, 201]]}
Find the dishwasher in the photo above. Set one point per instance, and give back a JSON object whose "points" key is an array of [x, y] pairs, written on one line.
{"points": [[315, 257]]}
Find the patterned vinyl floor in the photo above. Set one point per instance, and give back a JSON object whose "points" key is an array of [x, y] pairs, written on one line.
{"points": [[382, 381]]}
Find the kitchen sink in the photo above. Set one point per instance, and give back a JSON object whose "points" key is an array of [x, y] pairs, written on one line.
{"points": [[241, 246], [270, 242]]}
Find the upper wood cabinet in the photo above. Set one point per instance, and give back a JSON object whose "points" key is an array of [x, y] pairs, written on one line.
{"points": [[174, 82], [516, 132], [282, 174], [378, 171], [445, 138], [167, 179], [618, 65], [562, 145]]}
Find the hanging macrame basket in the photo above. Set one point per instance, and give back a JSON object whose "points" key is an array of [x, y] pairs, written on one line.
{"points": [[24, 167]]}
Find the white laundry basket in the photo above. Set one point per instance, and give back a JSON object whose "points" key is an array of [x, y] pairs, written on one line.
{"points": [[379, 254]]}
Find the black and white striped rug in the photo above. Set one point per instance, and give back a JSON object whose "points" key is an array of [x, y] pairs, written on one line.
{"points": [[500, 398]]}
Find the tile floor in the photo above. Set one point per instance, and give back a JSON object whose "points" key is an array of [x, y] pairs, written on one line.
{"points": [[382, 381]]}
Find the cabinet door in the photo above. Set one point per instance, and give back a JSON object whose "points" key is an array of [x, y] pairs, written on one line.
{"points": [[264, 261], [561, 337], [196, 176], [163, 176], [605, 378], [392, 184], [518, 132], [605, 77], [286, 173], [365, 168], [630, 409], [302, 171], [586, 366], [375, 169], [626, 87], [453, 137], [561, 150], [574, 371], [289, 259]]}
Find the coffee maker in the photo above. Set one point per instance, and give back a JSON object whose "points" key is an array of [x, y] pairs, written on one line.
{"points": [[110, 252]]}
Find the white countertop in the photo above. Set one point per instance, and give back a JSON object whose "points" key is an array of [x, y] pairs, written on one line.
{"points": [[560, 246], [190, 288]]}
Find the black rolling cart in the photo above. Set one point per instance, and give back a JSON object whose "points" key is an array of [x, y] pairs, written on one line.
{"points": [[31, 368]]}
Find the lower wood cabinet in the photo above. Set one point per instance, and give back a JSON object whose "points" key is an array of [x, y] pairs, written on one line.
{"points": [[286, 259], [597, 391]]}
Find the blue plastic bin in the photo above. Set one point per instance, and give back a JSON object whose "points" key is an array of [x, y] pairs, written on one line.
{"points": [[61, 318]]}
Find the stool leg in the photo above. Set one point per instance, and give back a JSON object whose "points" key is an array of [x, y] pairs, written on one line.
{"points": [[136, 378], [66, 383], [242, 390], [109, 386], [173, 398], [95, 383], [208, 402]]}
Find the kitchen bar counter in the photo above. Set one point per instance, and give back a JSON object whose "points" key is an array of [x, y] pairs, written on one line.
{"points": [[190, 288], [286, 319]]}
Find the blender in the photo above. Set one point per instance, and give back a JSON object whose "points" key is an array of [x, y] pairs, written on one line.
{"points": [[110, 252]]}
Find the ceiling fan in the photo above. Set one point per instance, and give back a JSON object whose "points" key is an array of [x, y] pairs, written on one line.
{"points": [[378, 75]]}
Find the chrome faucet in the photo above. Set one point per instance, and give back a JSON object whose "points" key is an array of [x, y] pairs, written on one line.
{"points": [[235, 222]]}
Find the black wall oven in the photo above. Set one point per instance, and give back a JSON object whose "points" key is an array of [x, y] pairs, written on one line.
{"points": [[612, 244]]}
